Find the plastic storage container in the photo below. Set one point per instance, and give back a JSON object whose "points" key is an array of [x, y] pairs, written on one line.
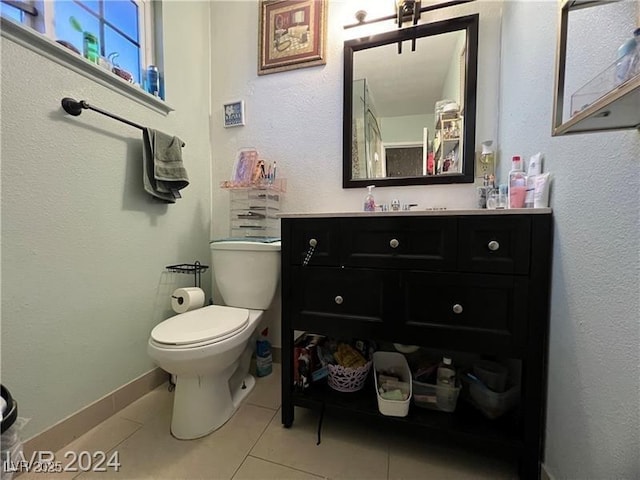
{"points": [[492, 374], [396, 362], [490, 403], [254, 213], [435, 397]]}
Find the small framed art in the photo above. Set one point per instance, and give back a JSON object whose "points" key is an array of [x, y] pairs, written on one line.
{"points": [[233, 114]]}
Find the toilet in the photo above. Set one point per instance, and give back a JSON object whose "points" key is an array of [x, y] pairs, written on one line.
{"points": [[209, 349]]}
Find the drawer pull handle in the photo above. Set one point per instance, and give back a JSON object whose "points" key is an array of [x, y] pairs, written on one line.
{"points": [[394, 243], [339, 300], [457, 308], [312, 246], [493, 245]]}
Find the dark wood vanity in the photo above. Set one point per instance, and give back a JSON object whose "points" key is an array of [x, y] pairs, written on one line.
{"points": [[473, 281]]}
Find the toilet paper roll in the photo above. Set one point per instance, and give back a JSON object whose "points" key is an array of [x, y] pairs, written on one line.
{"points": [[185, 299]]}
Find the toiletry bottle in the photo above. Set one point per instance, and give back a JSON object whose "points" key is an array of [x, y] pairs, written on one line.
{"points": [[627, 63], [369, 201], [634, 64], [517, 183], [445, 385], [534, 169], [446, 375]]}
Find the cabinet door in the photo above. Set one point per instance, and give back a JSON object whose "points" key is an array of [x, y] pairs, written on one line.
{"points": [[498, 244], [324, 232], [341, 301], [400, 242], [478, 313]]}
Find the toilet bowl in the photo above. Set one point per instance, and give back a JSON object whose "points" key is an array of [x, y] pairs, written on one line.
{"points": [[209, 349], [204, 348]]}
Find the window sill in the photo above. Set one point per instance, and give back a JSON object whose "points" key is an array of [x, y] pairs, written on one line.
{"points": [[44, 46]]}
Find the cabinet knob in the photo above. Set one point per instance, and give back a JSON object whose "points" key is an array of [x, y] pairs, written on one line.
{"points": [[394, 243], [493, 245], [313, 242], [339, 300], [457, 308]]}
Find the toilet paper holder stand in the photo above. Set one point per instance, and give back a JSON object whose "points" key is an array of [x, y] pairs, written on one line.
{"points": [[195, 268]]}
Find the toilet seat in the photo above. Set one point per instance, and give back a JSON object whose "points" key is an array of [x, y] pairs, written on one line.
{"points": [[203, 326]]}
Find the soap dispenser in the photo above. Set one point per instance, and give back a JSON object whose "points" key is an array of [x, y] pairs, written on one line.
{"points": [[369, 201]]}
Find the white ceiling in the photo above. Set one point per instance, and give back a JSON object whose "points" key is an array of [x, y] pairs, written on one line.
{"points": [[410, 83]]}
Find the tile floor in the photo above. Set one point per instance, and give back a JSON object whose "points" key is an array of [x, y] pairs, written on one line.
{"points": [[254, 445]]}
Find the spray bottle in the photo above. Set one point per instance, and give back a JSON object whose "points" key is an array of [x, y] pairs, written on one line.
{"points": [[369, 201]]}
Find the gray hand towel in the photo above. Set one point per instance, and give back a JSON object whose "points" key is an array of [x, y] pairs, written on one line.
{"points": [[164, 174]]}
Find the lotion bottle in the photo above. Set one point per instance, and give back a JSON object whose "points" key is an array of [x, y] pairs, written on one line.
{"points": [[369, 201]]}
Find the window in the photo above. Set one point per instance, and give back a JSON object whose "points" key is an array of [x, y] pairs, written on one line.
{"points": [[116, 34]]}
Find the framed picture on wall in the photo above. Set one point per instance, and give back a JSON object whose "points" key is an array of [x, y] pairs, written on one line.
{"points": [[292, 34], [233, 113]]}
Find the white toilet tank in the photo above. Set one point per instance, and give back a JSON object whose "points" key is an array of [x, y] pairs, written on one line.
{"points": [[246, 272]]}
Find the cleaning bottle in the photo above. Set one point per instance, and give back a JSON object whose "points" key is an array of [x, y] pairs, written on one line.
{"points": [[517, 183], [369, 201], [264, 359]]}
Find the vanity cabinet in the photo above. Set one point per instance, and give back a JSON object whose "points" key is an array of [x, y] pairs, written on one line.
{"points": [[475, 281]]}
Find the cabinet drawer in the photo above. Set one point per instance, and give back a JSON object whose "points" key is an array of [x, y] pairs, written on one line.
{"points": [[341, 301], [494, 244], [325, 232], [471, 312], [400, 242]]}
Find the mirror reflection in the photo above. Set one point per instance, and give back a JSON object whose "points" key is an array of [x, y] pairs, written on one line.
{"points": [[408, 116]]}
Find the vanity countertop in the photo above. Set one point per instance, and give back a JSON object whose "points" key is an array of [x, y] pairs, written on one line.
{"points": [[419, 213]]}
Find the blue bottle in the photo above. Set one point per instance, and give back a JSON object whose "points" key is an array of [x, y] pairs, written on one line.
{"points": [[264, 360], [153, 80]]}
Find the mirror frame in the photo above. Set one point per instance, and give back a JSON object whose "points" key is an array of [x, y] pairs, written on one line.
{"points": [[468, 23]]}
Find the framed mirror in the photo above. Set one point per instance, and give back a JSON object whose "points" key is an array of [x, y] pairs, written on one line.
{"points": [[409, 118]]}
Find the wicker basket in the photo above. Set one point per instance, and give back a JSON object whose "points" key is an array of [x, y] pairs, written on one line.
{"points": [[344, 379]]}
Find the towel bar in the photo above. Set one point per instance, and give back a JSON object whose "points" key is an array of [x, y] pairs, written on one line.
{"points": [[73, 107]]}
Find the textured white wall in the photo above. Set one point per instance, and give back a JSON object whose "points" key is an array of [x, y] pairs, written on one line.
{"points": [[83, 247], [295, 117], [594, 365]]}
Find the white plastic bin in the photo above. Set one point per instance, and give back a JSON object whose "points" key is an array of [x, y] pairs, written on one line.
{"points": [[386, 362]]}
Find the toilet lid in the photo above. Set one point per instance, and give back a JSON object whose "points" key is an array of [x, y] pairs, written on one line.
{"points": [[201, 325]]}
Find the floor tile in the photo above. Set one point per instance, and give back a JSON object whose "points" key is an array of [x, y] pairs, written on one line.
{"points": [[157, 402], [256, 469], [410, 458], [152, 453], [86, 451], [267, 392], [349, 450]]}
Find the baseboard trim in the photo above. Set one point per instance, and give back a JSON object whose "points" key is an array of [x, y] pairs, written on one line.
{"points": [[544, 474], [65, 431], [276, 354]]}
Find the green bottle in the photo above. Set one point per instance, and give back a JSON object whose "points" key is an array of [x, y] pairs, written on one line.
{"points": [[91, 48]]}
